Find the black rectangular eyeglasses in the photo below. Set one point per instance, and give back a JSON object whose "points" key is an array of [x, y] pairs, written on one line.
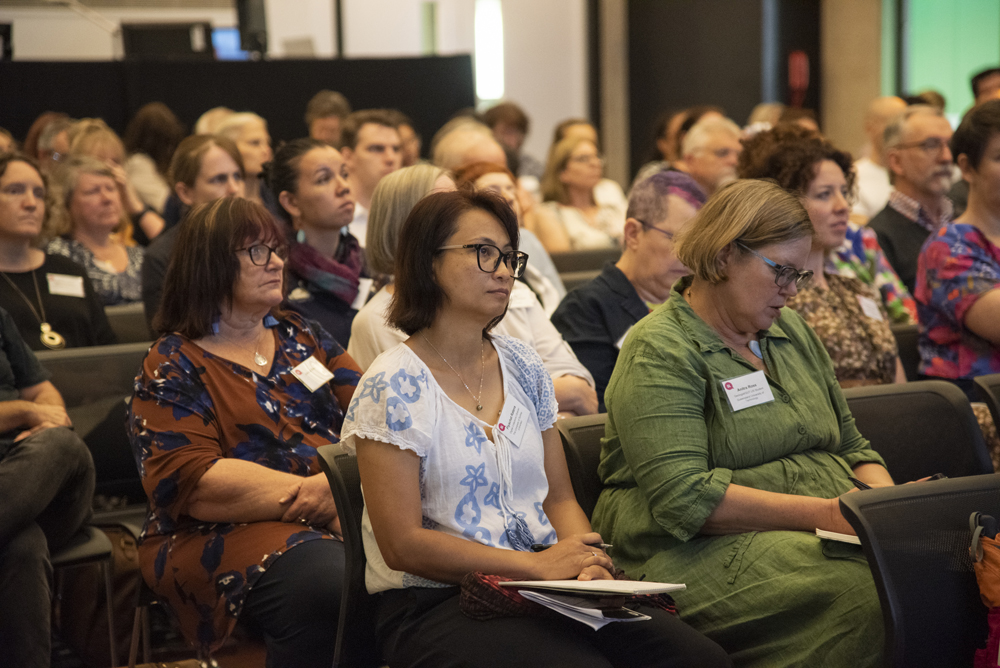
{"points": [[489, 258]]}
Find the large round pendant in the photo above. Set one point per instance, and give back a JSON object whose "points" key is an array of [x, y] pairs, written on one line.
{"points": [[50, 338], [479, 407], [259, 359]]}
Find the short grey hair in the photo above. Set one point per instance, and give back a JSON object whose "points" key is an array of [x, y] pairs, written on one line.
{"points": [[51, 131], [648, 200], [699, 135], [893, 134]]}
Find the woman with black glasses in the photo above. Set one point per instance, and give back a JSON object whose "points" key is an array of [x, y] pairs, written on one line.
{"points": [[463, 471], [229, 408], [729, 441]]}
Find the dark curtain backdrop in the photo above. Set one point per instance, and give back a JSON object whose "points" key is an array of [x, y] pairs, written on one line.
{"points": [[429, 90]]}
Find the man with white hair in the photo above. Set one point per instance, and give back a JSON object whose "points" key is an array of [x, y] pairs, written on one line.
{"points": [[710, 152], [919, 161], [872, 176], [469, 142]]}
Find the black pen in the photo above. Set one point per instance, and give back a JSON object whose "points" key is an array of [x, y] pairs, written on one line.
{"points": [[538, 547], [858, 483]]}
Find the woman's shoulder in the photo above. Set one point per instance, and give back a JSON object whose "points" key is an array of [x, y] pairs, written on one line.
{"points": [[954, 240], [66, 248], [517, 352], [62, 264]]}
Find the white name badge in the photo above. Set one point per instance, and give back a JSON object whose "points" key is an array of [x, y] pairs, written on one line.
{"points": [[746, 391], [65, 285], [312, 374], [364, 289], [513, 420], [870, 308]]}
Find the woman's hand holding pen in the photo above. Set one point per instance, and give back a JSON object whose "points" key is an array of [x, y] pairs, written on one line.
{"points": [[578, 556]]}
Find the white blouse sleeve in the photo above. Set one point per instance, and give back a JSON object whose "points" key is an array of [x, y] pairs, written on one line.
{"points": [[533, 378]]}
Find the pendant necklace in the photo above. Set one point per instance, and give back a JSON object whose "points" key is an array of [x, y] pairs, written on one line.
{"points": [[258, 359], [49, 337], [482, 372]]}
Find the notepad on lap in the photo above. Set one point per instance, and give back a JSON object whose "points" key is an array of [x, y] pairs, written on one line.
{"points": [[842, 537], [604, 587]]}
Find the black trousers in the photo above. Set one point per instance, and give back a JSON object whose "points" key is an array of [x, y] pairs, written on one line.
{"points": [[426, 627], [295, 605]]}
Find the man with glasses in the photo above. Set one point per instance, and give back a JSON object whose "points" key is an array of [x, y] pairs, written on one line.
{"points": [[595, 317], [920, 169], [710, 152]]}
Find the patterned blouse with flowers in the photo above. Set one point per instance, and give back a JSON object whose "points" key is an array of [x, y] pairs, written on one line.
{"points": [[851, 321], [192, 408], [861, 257], [957, 265]]}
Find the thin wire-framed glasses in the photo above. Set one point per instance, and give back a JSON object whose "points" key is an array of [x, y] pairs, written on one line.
{"points": [[932, 146], [667, 234], [784, 274], [489, 257], [260, 254]]}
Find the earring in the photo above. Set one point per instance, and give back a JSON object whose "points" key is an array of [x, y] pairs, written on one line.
{"points": [[300, 236], [215, 327]]}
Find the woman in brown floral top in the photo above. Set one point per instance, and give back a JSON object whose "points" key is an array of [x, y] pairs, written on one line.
{"points": [[848, 314]]}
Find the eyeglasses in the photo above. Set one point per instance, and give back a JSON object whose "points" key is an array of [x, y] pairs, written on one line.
{"points": [[584, 159], [933, 146], [783, 274], [260, 254], [489, 257], [669, 235]]}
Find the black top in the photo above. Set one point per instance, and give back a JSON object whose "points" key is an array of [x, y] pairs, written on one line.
{"points": [[154, 270], [19, 368], [332, 313], [79, 319], [594, 318], [901, 240]]}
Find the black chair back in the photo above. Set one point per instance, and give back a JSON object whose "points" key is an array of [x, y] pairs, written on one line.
{"points": [[356, 624], [920, 429], [906, 340], [128, 321], [581, 437], [916, 539], [585, 260], [988, 389]]}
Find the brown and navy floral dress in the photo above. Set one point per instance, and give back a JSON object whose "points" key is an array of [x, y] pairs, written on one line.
{"points": [[192, 408]]}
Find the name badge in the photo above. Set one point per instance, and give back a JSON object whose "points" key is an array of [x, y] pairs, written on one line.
{"points": [[65, 285], [513, 420], [312, 374], [746, 391], [870, 308], [364, 289]]}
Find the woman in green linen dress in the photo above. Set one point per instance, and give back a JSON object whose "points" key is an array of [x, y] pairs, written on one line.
{"points": [[728, 443]]}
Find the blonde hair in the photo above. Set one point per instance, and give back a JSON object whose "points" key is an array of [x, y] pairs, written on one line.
{"points": [[753, 212], [232, 127], [64, 183], [89, 134], [394, 197], [553, 189]]}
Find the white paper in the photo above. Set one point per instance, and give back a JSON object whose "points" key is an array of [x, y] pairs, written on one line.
{"points": [[609, 587], [620, 342], [842, 537], [65, 285], [312, 374], [513, 420], [746, 391], [870, 308], [579, 609]]}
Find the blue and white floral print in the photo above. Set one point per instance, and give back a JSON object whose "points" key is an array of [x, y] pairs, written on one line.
{"points": [[471, 487]]}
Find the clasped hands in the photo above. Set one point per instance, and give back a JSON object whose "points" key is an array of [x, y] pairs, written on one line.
{"points": [[310, 501]]}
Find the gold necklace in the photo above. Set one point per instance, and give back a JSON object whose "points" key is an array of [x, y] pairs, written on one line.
{"points": [[482, 371], [258, 359], [49, 337]]}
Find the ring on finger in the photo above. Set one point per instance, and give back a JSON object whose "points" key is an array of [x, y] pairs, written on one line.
{"points": [[303, 520]]}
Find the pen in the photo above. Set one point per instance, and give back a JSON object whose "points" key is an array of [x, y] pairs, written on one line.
{"points": [[858, 483], [538, 547]]}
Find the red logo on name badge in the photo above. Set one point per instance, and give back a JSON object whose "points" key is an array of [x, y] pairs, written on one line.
{"points": [[501, 427], [297, 372], [729, 386]]}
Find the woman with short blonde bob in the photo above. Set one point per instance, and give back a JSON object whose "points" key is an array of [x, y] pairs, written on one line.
{"points": [[88, 224], [729, 442]]}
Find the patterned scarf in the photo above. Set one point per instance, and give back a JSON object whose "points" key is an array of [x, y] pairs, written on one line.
{"points": [[338, 275]]}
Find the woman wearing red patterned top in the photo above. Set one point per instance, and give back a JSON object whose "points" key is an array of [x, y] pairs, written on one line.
{"points": [[228, 411]]}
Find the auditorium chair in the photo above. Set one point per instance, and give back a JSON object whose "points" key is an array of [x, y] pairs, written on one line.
{"points": [[581, 437]]}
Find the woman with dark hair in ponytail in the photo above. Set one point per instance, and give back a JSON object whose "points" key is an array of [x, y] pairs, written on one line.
{"points": [[327, 282]]}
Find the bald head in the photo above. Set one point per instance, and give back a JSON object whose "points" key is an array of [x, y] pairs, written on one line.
{"points": [[468, 144], [881, 112]]}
